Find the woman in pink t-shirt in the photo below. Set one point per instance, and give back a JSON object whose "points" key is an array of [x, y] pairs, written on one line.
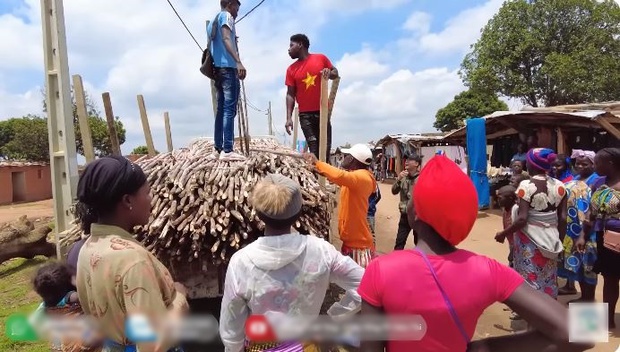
{"points": [[450, 288]]}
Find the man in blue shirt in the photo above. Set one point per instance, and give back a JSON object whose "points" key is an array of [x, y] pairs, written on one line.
{"points": [[229, 70], [374, 198]]}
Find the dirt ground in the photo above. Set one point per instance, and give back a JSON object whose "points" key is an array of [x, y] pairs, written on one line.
{"points": [[494, 321], [40, 209]]}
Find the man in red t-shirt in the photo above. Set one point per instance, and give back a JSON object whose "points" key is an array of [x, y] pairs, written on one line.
{"points": [[303, 80]]}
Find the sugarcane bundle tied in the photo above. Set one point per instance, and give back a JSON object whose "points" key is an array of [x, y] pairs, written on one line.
{"points": [[200, 205]]}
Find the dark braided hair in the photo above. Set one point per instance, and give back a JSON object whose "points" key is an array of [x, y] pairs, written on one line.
{"points": [[53, 282], [102, 185]]}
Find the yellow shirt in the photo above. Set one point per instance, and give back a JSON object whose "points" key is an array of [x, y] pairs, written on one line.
{"points": [[117, 277]]}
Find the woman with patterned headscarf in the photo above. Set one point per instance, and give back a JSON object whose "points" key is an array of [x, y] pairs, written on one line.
{"points": [[539, 223], [575, 265], [449, 288]]}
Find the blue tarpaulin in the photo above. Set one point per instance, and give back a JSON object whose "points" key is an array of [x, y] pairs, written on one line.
{"points": [[477, 152]]}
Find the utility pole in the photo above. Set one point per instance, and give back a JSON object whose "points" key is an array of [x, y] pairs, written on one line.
{"points": [[63, 155], [270, 120]]}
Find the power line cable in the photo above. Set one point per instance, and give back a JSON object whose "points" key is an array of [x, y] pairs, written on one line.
{"points": [[249, 12], [184, 25]]}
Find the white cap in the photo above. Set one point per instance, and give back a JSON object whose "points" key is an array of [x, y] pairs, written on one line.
{"points": [[360, 152]]}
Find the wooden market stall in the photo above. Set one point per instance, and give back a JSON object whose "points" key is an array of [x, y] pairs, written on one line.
{"points": [[561, 128], [396, 146]]}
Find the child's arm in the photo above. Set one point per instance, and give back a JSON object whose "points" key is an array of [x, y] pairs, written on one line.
{"points": [[73, 298]]}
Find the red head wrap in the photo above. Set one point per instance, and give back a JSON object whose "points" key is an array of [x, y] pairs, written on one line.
{"points": [[445, 198]]}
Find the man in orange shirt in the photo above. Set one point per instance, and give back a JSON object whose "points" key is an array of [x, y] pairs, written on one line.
{"points": [[357, 184], [303, 82]]}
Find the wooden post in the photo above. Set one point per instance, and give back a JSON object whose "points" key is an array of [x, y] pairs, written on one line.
{"points": [[109, 115], [295, 126], [213, 90], [82, 114], [323, 124], [561, 143], [145, 126], [168, 132]]}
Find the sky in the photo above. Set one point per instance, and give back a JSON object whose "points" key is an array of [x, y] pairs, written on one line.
{"points": [[398, 60]]}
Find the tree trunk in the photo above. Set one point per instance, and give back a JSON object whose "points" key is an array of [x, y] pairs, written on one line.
{"points": [[22, 239]]}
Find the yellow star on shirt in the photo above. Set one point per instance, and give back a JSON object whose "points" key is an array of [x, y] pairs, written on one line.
{"points": [[309, 80]]}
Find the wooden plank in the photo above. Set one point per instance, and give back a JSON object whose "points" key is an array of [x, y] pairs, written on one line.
{"points": [[109, 115], [295, 126], [323, 124], [561, 141], [608, 127], [168, 131], [145, 126], [82, 114]]}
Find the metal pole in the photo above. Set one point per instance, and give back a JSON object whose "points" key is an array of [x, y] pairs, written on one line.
{"points": [[63, 154]]}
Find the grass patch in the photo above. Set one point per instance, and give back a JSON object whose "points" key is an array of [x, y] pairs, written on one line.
{"points": [[17, 296]]}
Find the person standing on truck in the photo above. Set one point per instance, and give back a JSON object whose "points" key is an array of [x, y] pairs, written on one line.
{"points": [[357, 184], [403, 186], [228, 71], [303, 83], [283, 273], [118, 279]]}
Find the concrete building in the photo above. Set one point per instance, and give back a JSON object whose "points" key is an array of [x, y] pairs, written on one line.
{"points": [[24, 182]]}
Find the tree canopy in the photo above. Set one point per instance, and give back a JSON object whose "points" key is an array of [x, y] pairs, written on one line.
{"points": [[549, 52], [142, 150], [26, 138], [465, 105]]}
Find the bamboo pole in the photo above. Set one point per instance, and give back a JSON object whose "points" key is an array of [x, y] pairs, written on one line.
{"points": [[168, 131], [323, 124], [145, 126], [295, 126], [109, 115], [82, 115]]}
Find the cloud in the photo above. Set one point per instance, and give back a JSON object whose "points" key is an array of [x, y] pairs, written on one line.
{"points": [[456, 36], [139, 47]]}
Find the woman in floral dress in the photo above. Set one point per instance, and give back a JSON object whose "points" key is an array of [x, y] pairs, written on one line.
{"points": [[575, 265], [539, 223]]}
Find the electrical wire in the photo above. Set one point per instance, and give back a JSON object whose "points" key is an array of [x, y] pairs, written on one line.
{"points": [[184, 25], [249, 12]]}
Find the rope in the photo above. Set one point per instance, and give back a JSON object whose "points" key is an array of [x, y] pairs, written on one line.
{"points": [[249, 12]]}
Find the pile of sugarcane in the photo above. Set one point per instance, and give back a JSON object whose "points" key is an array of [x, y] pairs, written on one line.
{"points": [[200, 207]]}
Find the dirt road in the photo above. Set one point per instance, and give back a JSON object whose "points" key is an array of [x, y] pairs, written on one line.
{"points": [[494, 321], [40, 209]]}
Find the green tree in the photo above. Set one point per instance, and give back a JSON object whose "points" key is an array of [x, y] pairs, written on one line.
{"points": [[142, 150], [24, 138], [98, 127], [549, 52], [466, 105]]}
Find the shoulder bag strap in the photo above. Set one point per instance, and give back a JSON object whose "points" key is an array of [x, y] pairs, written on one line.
{"points": [[213, 30], [445, 297]]}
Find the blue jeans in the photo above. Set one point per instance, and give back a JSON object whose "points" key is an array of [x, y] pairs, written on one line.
{"points": [[228, 86]]}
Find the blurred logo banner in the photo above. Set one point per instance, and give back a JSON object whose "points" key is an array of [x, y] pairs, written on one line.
{"points": [[587, 323]]}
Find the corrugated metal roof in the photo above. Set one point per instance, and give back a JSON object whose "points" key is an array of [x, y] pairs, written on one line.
{"points": [[21, 163]]}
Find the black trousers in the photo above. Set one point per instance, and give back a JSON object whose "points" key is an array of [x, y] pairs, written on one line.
{"points": [[310, 123], [403, 233]]}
